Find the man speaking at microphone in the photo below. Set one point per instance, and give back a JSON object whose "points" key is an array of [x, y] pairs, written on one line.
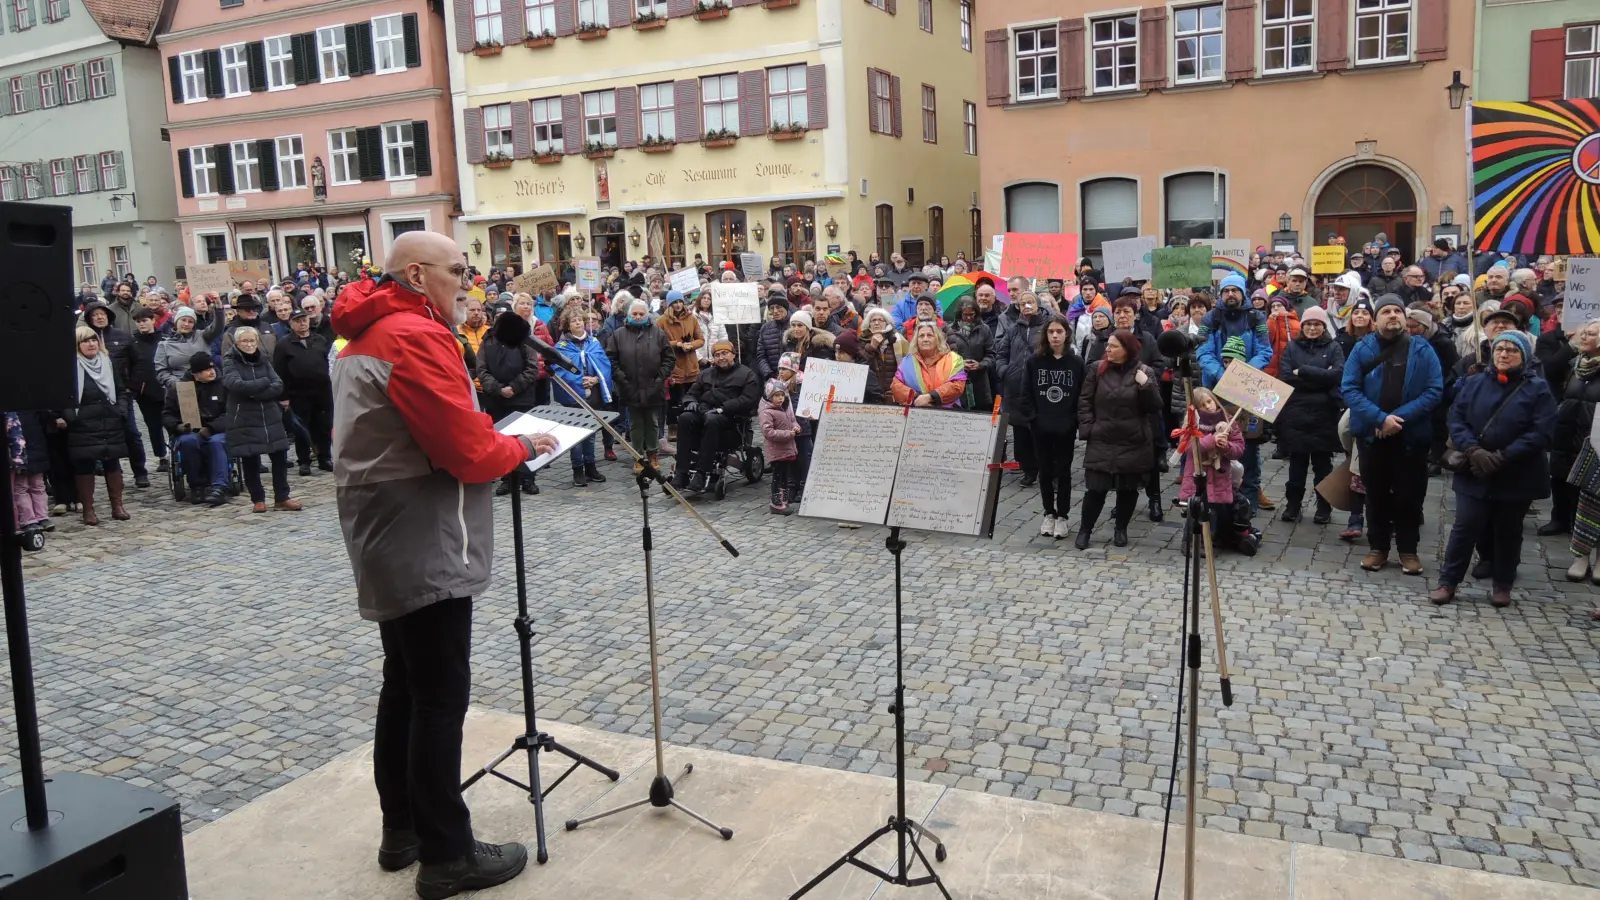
{"points": [[414, 463]]}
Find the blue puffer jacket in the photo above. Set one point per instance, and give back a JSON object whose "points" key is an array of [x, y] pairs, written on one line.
{"points": [[769, 348], [1521, 433], [592, 361], [1223, 323], [1363, 383]]}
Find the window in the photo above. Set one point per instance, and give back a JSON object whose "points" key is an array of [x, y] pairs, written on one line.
{"points": [[592, 13], [192, 69], [388, 44], [1383, 31], [49, 95], [925, 15], [214, 247], [540, 17], [1583, 66], [399, 153], [280, 63], [1038, 64], [56, 11], [884, 222], [19, 96], [786, 97], [719, 96], [600, 119], [8, 183], [1196, 207], [291, 152], [99, 83], [505, 245], [246, 167], [930, 116], [969, 119], [497, 131], [71, 84], [121, 263], [725, 235], [650, 9], [32, 182], [1197, 44], [657, 113], [1286, 35], [60, 177], [331, 53], [87, 270], [203, 167], [486, 22], [1034, 206], [665, 238], [555, 244], [1116, 53], [342, 157], [547, 137], [882, 103], [935, 233], [20, 12], [83, 172], [235, 71], [976, 237], [111, 171], [966, 25], [1110, 212], [794, 234]]}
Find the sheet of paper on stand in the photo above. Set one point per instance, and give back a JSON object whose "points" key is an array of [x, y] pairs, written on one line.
{"points": [[848, 379], [568, 435]]}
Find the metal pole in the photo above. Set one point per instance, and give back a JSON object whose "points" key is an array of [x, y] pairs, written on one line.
{"points": [[29, 751], [1472, 203]]}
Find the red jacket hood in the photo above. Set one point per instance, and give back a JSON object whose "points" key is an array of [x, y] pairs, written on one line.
{"points": [[363, 303]]}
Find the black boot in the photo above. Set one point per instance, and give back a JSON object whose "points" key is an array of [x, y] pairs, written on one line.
{"points": [[1553, 528], [530, 485], [578, 480], [680, 477], [1291, 506], [489, 865], [1119, 536], [776, 505], [593, 474], [398, 850], [1156, 514], [1082, 540], [504, 489], [1324, 513]]}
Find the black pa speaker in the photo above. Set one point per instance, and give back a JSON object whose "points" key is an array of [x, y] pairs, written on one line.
{"points": [[106, 841], [37, 370]]}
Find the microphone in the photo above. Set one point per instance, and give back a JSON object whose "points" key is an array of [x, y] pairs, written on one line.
{"points": [[1174, 343], [553, 356]]}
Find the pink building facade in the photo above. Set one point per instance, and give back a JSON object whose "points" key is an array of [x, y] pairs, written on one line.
{"points": [[307, 132]]}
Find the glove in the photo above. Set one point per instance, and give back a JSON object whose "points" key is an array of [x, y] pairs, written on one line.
{"points": [[184, 428], [1482, 462]]}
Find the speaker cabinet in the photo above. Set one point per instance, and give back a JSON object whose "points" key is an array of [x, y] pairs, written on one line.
{"points": [[107, 841], [37, 320]]}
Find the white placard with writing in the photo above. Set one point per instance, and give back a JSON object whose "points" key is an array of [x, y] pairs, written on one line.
{"points": [[853, 461], [588, 272], [1582, 294], [752, 265], [1128, 258], [686, 281], [943, 480], [848, 381], [735, 304], [209, 277]]}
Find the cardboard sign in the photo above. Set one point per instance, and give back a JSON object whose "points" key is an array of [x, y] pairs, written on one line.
{"points": [[255, 270], [1329, 259], [753, 266], [735, 304], [838, 271], [1336, 488], [1038, 255], [847, 381], [1249, 387], [685, 281], [1582, 293], [541, 280], [1128, 258], [1558, 270], [1181, 267], [208, 277], [588, 269], [189, 405]]}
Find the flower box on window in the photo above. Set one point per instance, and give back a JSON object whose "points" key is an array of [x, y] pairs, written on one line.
{"points": [[545, 159], [779, 132], [597, 150], [589, 31], [779, 4], [487, 48], [722, 137], [648, 22], [535, 41], [711, 9], [657, 145], [497, 161]]}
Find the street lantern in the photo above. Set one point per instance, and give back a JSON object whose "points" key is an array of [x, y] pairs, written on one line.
{"points": [[1447, 216], [1285, 223], [116, 201], [1457, 89], [477, 247], [1285, 238]]}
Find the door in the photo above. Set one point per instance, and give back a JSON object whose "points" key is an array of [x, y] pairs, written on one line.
{"points": [[1399, 228], [605, 235], [1363, 201]]}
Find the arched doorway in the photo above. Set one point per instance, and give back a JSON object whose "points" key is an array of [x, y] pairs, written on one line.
{"points": [[1362, 201]]}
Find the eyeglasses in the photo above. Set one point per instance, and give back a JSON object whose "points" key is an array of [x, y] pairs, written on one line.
{"points": [[459, 270]]}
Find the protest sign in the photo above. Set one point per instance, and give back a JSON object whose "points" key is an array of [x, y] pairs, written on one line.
{"points": [[588, 269], [189, 405], [1582, 294], [541, 280], [733, 303], [838, 269], [686, 281], [1558, 270], [1128, 258], [997, 243], [1038, 255], [991, 262], [1249, 387], [1181, 267], [1329, 260], [1229, 256], [848, 381], [752, 265], [258, 271], [208, 277]]}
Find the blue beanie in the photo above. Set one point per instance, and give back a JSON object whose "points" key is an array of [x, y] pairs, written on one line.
{"points": [[1234, 280], [674, 296], [1520, 339]]}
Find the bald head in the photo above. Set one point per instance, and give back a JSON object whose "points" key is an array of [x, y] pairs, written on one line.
{"points": [[430, 264]]}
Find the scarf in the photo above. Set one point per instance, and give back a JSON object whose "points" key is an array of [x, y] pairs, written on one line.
{"points": [[1588, 366], [97, 370], [927, 378]]}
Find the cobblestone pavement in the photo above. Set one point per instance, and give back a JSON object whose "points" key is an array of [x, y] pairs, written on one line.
{"points": [[216, 655]]}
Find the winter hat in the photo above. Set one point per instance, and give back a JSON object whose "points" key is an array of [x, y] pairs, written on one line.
{"points": [[1519, 340], [862, 279], [1234, 280], [1234, 348], [184, 312], [1316, 314], [1350, 281], [774, 386], [1462, 281], [778, 299], [1421, 317], [1519, 306], [200, 362], [1387, 300], [925, 298], [1102, 313], [674, 297], [1260, 293], [790, 361], [722, 345], [803, 316], [877, 312], [1278, 300], [848, 342]]}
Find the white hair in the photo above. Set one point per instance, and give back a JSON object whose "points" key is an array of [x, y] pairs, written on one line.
{"points": [[620, 298], [640, 304], [274, 294]]}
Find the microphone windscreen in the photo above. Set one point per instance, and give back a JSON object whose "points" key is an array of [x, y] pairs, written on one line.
{"points": [[1174, 343]]}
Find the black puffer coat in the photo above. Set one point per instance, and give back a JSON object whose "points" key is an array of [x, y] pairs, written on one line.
{"points": [[95, 427], [1115, 419], [1015, 346], [769, 347], [977, 346], [35, 427], [142, 378], [1309, 423], [1574, 418], [506, 360], [735, 390], [302, 363], [641, 360], [255, 421]]}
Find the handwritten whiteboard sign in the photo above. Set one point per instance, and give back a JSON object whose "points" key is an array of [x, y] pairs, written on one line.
{"points": [[943, 481], [1249, 387], [735, 304], [686, 281], [847, 380], [853, 461], [1582, 303], [1128, 258]]}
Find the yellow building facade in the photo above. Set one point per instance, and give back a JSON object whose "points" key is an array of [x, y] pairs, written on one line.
{"points": [[673, 129]]}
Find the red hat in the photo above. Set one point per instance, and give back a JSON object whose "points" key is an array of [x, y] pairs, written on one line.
{"points": [[1519, 306], [727, 265], [862, 279], [479, 280]]}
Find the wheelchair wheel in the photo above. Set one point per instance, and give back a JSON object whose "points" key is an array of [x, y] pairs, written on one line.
{"points": [[754, 464], [236, 478], [179, 489], [721, 490]]}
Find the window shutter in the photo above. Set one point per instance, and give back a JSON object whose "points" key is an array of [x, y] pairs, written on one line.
{"points": [[816, 97], [686, 108], [465, 36], [47, 181], [572, 123], [522, 128], [894, 102], [369, 153], [997, 65], [873, 125], [267, 153], [753, 103], [30, 84], [567, 17], [621, 12], [1239, 35], [255, 54], [213, 61], [1433, 30], [185, 173], [513, 21], [1547, 64], [352, 49], [408, 30], [175, 75], [111, 77], [223, 154], [472, 124], [627, 116], [1152, 48], [122, 172], [1333, 35], [422, 147], [888, 7], [678, 8], [1069, 50], [66, 8], [304, 57], [369, 54]]}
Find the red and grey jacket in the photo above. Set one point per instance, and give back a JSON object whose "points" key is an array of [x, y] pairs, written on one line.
{"points": [[414, 457]]}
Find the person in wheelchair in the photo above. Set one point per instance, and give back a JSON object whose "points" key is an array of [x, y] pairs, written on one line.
{"points": [[204, 452], [722, 397]]}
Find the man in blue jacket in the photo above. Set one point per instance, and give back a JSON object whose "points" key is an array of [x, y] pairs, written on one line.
{"points": [[1392, 383], [906, 310], [1233, 321]]}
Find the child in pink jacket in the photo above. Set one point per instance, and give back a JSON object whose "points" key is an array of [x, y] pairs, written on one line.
{"points": [[1221, 444], [779, 428]]}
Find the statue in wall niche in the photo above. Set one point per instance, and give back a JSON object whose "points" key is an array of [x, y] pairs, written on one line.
{"points": [[319, 180]]}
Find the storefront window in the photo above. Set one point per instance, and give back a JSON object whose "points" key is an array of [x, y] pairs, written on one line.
{"points": [[606, 237], [505, 245], [555, 245], [725, 235], [665, 243], [794, 234]]}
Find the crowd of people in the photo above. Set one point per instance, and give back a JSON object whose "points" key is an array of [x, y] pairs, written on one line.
{"points": [[1408, 369]]}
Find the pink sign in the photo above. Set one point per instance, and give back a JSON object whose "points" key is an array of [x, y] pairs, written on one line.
{"points": [[1039, 255]]}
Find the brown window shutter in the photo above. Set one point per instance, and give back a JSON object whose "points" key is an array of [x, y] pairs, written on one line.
{"points": [[873, 125], [753, 103], [888, 6], [567, 17], [1547, 64], [1433, 30], [521, 130], [572, 123], [1069, 47], [894, 102], [686, 109], [817, 97], [1333, 35], [679, 8], [513, 24], [997, 65], [628, 116], [472, 124], [1152, 47], [465, 36], [1239, 34]]}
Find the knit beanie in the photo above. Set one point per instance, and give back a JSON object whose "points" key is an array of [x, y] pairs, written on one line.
{"points": [[1519, 340], [790, 361], [803, 317], [774, 386], [1233, 348], [1316, 314]]}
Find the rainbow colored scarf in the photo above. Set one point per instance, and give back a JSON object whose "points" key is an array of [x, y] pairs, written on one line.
{"points": [[928, 378]]}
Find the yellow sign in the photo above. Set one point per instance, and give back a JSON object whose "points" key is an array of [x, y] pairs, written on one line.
{"points": [[1328, 260]]}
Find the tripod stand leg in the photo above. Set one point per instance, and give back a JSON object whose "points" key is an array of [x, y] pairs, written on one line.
{"points": [[488, 769], [580, 759], [727, 833], [938, 845], [841, 861], [572, 824], [932, 875]]}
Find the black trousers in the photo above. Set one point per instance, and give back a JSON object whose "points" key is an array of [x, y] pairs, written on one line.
{"points": [[1054, 455], [280, 477], [150, 410], [1022, 438], [701, 435], [1321, 465], [1396, 478], [316, 414], [1499, 522], [416, 754], [302, 436], [1095, 501]]}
